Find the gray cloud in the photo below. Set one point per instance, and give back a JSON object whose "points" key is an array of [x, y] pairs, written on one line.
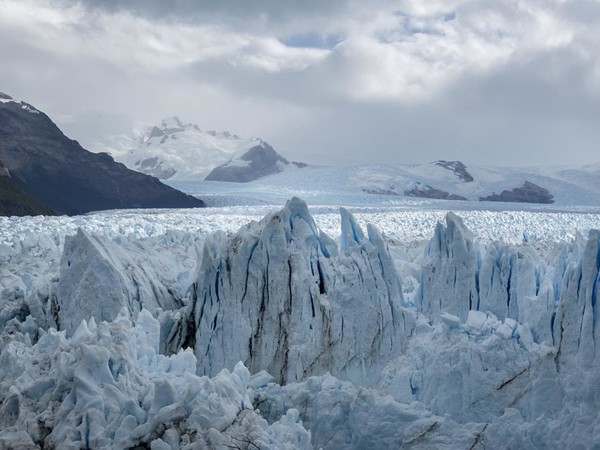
{"points": [[521, 115], [242, 15], [510, 83]]}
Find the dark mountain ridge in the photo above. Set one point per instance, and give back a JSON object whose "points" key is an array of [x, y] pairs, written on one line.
{"points": [[64, 176]]}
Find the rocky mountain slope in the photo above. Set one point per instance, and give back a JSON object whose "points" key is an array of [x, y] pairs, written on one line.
{"points": [[67, 178], [528, 193], [16, 202]]}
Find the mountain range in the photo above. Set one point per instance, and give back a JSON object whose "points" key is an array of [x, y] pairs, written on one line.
{"points": [[64, 177], [181, 151], [185, 156], [58, 175], [432, 183]]}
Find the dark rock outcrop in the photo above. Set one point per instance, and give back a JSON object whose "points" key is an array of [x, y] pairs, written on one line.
{"points": [[389, 191], [260, 161], [64, 176], [459, 169], [426, 191], [528, 193]]}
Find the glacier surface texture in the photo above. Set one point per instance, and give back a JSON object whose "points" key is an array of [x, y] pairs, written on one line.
{"points": [[422, 330]]}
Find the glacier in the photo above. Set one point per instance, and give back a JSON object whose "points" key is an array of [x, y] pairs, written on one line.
{"points": [[232, 330], [108, 387], [280, 296]]}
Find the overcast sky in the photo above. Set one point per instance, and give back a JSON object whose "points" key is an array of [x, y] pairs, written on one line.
{"points": [[503, 82]]}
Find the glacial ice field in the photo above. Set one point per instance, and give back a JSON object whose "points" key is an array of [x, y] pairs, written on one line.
{"points": [[390, 324]]}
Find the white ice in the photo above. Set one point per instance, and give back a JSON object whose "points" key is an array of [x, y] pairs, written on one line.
{"points": [[477, 332]]}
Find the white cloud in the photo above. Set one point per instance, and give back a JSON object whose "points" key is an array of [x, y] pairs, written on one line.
{"points": [[230, 65]]}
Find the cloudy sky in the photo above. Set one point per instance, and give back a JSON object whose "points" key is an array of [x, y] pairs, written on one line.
{"points": [[503, 82]]}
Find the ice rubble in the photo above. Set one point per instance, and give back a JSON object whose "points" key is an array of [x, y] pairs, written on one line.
{"points": [[108, 387], [500, 350]]}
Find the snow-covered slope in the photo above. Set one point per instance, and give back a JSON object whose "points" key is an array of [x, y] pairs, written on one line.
{"points": [[176, 150], [5, 98], [577, 185], [477, 332], [428, 183]]}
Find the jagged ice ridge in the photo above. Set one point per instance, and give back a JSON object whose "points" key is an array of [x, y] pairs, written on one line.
{"points": [[281, 337]]}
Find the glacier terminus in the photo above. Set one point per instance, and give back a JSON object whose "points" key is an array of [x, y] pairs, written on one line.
{"points": [[300, 328]]}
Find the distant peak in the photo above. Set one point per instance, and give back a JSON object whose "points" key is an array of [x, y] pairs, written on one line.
{"points": [[4, 96], [263, 152], [459, 169], [172, 123]]}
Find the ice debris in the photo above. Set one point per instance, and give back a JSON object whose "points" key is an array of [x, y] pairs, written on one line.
{"points": [[107, 387]]}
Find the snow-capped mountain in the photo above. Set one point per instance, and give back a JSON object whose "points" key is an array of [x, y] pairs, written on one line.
{"points": [[180, 151], [258, 162], [453, 180], [430, 182]]}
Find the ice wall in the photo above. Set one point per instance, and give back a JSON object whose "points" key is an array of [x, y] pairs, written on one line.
{"points": [[280, 296], [449, 273], [501, 351], [98, 277], [517, 387], [577, 321], [509, 281], [577, 324]]}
